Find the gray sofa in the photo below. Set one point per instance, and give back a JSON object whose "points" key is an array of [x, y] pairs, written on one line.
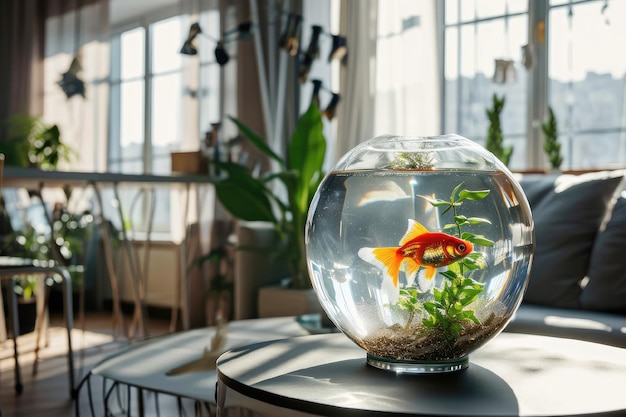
{"points": [[577, 287]]}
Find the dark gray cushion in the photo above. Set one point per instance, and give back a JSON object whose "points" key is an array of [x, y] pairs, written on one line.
{"points": [[592, 326], [567, 219], [606, 289]]}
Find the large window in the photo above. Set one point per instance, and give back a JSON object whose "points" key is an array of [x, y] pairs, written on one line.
{"points": [[585, 81], [161, 101], [477, 35], [146, 95]]}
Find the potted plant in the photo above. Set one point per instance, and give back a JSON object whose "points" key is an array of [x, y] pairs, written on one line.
{"points": [[66, 246], [258, 198], [219, 294], [551, 146], [29, 142], [28, 243], [24, 287], [494, 142]]}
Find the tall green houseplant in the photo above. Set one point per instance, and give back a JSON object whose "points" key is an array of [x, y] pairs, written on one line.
{"points": [[494, 143], [551, 146], [251, 198]]}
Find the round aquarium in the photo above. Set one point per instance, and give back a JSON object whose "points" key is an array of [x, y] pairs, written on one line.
{"points": [[419, 249]]}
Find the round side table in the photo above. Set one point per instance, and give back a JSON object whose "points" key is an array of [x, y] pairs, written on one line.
{"points": [[513, 375]]}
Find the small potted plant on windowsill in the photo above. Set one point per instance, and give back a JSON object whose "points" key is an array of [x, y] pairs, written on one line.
{"points": [[252, 198], [495, 140], [551, 146]]}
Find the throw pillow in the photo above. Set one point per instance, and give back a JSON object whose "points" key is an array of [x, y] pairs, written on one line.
{"points": [[606, 289], [567, 219]]}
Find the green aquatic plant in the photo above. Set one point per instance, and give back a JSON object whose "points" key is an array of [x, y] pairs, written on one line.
{"points": [[413, 160], [409, 301], [448, 310]]}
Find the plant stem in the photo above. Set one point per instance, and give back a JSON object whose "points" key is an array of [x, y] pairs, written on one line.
{"points": [[458, 227]]}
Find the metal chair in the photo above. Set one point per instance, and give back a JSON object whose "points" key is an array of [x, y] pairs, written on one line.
{"points": [[11, 267]]}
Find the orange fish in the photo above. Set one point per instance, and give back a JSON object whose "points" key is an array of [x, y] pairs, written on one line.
{"points": [[418, 248]]}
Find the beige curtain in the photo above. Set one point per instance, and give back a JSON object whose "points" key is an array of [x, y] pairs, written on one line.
{"points": [[21, 54], [355, 115], [22, 44], [83, 122]]}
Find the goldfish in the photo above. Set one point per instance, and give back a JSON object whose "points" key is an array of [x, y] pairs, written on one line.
{"points": [[418, 248]]}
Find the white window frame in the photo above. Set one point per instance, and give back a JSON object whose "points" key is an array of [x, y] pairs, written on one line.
{"points": [[538, 88]]}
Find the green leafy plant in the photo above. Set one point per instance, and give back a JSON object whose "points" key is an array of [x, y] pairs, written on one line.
{"points": [[70, 233], [495, 139], [251, 198], [28, 141], [551, 146], [413, 160], [448, 310]]}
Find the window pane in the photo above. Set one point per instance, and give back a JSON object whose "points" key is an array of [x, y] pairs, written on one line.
{"points": [[166, 105], [452, 11], [167, 36], [518, 158], [594, 150], [210, 24], [209, 96], [468, 10], [132, 53], [587, 83], [480, 45], [451, 80], [489, 8], [517, 6], [132, 119]]}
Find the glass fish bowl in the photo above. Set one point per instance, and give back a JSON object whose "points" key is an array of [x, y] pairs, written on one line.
{"points": [[419, 250]]}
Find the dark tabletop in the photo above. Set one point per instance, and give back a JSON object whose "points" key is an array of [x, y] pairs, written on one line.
{"points": [[513, 375]]}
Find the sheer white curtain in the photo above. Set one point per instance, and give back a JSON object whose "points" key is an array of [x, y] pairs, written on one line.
{"points": [[391, 81], [355, 121], [407, 71]]}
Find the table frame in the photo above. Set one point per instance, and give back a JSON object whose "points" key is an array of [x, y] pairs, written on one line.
{"points": [[36, 179]]}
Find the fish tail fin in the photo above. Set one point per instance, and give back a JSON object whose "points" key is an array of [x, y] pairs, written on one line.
{"points": [[411, 267], [389, 258], [430, 272]]}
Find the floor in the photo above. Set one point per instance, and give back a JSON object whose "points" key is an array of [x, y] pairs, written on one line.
{"points": [[46, 394]]}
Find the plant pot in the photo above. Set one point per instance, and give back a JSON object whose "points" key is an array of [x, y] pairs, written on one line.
{"points": [[279, 301], [27, 312]]}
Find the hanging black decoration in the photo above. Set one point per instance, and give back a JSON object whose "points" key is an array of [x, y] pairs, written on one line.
{"points": [[70, 83], [315, 97], [332, 107], [289, 40], [188, 47], [243, 31], [221, 56], [339, 48], [312, 52]]}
